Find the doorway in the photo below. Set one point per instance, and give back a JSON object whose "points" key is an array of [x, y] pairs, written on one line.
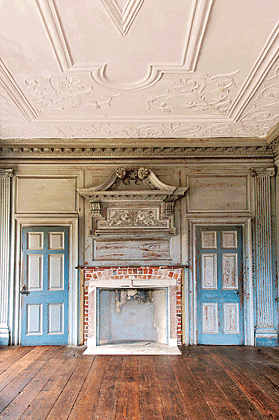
{"points": [[219, 271], [44, 285]]}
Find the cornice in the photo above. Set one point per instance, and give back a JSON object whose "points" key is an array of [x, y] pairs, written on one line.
{"points": [[74, 152]]}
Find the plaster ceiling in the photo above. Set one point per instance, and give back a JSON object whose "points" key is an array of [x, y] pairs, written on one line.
{"points": [[195, 69]]}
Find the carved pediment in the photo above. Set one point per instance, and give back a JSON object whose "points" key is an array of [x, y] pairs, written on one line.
{"points": [[132, 202]]}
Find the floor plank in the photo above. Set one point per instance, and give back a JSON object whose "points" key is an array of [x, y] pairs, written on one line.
{"points": [[204, 383], [149, 393], [107, 403], [85, 405]]}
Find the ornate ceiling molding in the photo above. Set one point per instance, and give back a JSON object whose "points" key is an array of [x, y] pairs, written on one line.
{"points": [[53, 26], [123, 17], [263, 64], [15, 93], [197, 24]]}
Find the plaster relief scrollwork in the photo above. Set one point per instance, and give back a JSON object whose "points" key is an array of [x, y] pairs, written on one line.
{"points": [[196, 93], [61, 92], [264, 108]]}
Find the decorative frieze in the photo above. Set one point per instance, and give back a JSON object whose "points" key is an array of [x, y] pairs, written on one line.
{"points": [[265, 328], [5, 199]]}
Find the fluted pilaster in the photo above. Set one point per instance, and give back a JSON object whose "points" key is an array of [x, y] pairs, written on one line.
{"points": [[265, 329], [5, 206]]}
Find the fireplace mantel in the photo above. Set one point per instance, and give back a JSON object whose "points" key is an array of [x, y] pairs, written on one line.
{"points": [[129, 278]]}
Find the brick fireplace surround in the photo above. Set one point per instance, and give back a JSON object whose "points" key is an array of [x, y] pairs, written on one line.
{"points": [[140, 273]]}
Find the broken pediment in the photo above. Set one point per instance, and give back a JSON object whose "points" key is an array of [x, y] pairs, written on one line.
{"points": [[132, 203]]}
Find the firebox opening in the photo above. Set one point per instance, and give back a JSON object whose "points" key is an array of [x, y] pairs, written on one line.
{"points": [[129, 315]]}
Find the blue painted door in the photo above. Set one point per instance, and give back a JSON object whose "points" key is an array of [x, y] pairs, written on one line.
{"points": [[44, 286], [219, 285]]}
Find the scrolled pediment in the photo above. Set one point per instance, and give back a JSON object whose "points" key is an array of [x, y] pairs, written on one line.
{"points": [[132, 202]]}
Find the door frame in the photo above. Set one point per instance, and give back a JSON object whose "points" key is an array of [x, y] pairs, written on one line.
{"points": [[248, 309], [72, 223]]}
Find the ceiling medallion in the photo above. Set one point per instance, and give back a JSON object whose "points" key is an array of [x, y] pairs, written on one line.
{"points": [[122, 12]]}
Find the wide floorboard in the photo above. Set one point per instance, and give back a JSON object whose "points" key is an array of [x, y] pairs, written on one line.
{"points": [[206, 382]]}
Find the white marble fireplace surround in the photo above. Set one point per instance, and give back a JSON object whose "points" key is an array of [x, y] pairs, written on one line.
{"points": [[129, 278]]}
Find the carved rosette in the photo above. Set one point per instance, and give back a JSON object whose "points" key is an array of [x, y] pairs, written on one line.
{"points": [[263, 251], [5, 204]]}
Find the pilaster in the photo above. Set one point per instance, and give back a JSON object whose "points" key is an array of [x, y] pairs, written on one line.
{"points": [[5, 205], [265, 332]]}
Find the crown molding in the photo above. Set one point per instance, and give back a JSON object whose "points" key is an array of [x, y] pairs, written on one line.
{"points": [[263, 64], [15, 93]]}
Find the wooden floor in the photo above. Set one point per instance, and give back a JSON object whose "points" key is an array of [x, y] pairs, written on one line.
{"points": [[204, 383]]}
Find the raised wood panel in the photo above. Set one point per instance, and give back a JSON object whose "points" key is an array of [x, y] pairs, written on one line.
{"points": [[229, 271], [56, 240], [35, 272], [229, 239], [55, 318], [46, 195], [34, 319], [56, 271], [35, 241], [224, 194], [231, 318], [132, 250], [209, 271], [209, 240], [210, 318]]}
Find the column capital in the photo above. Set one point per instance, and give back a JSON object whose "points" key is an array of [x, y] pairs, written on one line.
{"points": [[6, 173], [270, 171]]}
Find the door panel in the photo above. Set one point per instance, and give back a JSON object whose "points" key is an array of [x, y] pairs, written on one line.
{"points": [[219, 285], [45, 279]]}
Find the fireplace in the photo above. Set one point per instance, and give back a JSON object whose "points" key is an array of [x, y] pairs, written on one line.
{"points": [[132, 305]]}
